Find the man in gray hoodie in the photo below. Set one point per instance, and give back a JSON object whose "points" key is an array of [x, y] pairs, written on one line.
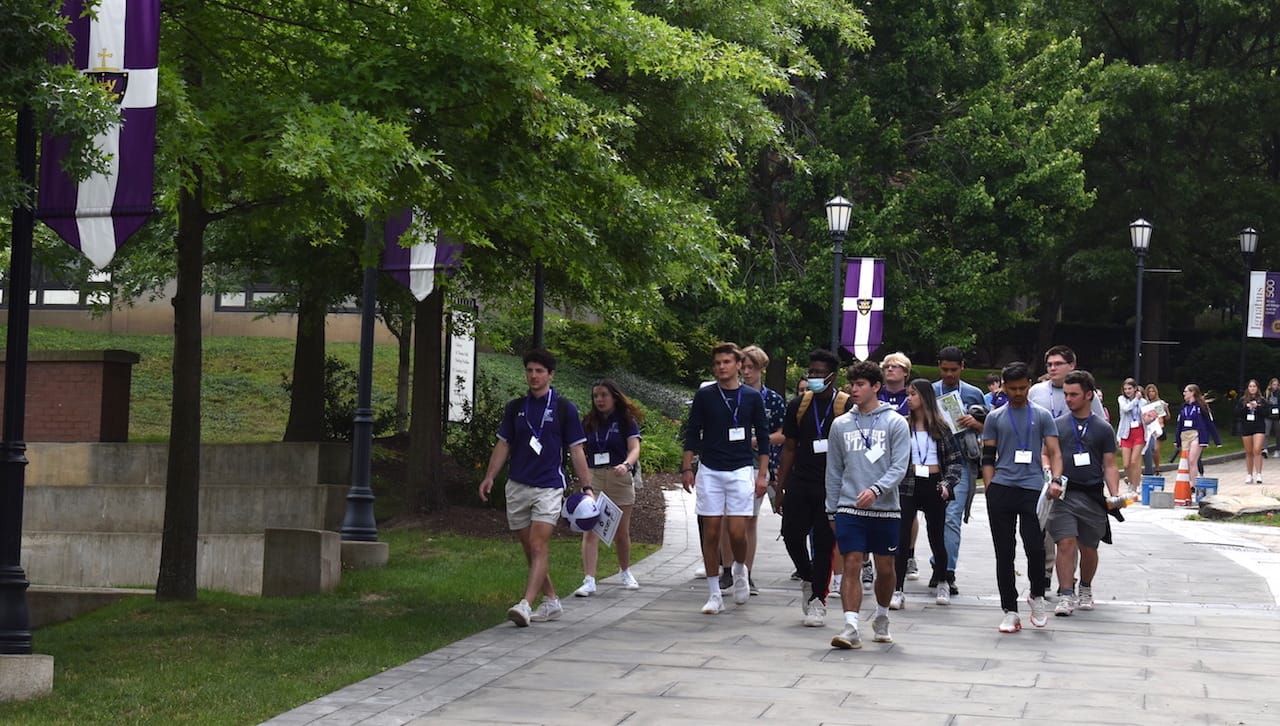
{"points": [[867, 456]]}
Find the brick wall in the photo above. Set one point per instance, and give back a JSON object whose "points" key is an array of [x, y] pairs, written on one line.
{"points": [[77, 395]]}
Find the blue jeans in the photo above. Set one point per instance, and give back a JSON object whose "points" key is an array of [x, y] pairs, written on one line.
{"points": [[955, 515]]}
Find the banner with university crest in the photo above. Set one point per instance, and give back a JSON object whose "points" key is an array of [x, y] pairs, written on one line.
{"points": [[862, 327], [119, 47]]}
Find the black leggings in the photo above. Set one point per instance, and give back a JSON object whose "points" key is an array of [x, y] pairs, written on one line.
{"points": [[1012, 511], [804, 510], [925, 499]]}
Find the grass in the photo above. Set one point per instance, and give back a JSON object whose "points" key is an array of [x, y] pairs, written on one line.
{"points": [[230, 659]]}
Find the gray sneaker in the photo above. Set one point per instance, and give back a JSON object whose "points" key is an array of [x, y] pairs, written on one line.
{"points": [[913, 573], [741, 587], [880, 629], [520, 614], [1066, 605], [547, 610], [806, 594], [1039, 612], [943, 594], [1086, 598], [868, 576], [848, 639], [897, 601], [816, 614]]}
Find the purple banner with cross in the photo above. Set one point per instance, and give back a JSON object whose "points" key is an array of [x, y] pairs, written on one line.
{"points": [[862, 327], [119, 47], [429, 252]]}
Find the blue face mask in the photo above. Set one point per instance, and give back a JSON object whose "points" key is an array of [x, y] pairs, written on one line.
{"points": [[817, 385]]}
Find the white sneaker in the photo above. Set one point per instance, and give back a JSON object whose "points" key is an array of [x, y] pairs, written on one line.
{"points": [[715, 604], [880, 629], [1039, 612], [836, 581], [806, 595], [1011, 623], [1248, 478], [741, 586], [1086, 598], [897, 601], [943, 594], [1066, 605], [588, 587], [848, 639], [816, 615], [913, 572], [1257, 478], [520, 614], [700, 572], [629, 581], [547, 610]]}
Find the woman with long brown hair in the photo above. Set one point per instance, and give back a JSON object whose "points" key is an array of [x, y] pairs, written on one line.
{"points": [[929, 484], [613, 452], [1251, 409], [1195, 425]]}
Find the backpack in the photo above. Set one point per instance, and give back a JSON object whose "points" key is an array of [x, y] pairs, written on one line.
{"points": [[840, 405]]}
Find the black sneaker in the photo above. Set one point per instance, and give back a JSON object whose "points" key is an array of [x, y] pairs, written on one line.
{"points": [[868, 576], [751, 584], [726, 580]]}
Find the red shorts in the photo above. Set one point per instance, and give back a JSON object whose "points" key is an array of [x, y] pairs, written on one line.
{"points": [[1134, 439]]}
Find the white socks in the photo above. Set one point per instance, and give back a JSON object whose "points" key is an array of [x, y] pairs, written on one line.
{"points": [[713, 585], [851, 618]]}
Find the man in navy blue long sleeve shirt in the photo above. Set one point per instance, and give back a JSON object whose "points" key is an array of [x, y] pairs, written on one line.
{"points": [[722, 419]]}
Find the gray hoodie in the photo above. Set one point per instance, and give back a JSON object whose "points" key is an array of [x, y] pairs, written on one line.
{"points": [[850, 470]]}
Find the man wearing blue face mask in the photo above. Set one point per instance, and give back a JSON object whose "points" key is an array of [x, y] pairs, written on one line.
{"points": [[802, 482]]}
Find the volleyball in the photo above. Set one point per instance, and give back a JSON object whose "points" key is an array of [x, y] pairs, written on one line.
{"points": [[581, 512]]}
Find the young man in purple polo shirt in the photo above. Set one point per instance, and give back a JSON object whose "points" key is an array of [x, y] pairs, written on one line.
{"points": [[535, 430]]}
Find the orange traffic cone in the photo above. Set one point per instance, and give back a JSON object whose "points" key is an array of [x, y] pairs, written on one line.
{"points": [[1182, 485]]}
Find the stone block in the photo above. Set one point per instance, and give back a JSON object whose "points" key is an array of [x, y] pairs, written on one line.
{"points": [[300, 561], [23, 677], [1161, 500], [359, 555]]}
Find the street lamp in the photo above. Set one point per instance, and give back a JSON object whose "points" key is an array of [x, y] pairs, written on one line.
{"points": [[1248, 246], [838, 211], [1140, 238]]}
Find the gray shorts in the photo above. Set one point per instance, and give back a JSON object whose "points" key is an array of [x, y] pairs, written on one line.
{"points": [[1079, 516]]}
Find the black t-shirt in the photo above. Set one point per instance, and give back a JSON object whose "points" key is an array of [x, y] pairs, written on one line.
{"points": [[808, 467]]}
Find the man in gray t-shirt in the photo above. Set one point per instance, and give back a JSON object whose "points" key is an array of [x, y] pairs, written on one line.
{"points": [[1079, 519]]}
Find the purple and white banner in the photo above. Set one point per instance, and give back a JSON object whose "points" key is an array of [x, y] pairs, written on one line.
{"points": [[862, 328], [1263, 315], [119, 47], [415, 267]]}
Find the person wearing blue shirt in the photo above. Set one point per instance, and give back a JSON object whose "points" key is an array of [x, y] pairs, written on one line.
{"points": [[1013, 440], [723, 418], [536, 430], [950, 366]]}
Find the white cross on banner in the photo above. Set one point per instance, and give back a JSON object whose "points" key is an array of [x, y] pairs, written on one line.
{"points": [[862, 328]]}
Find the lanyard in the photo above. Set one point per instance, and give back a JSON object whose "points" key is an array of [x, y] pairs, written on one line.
{"points": [[528, 419], [817, 421], [1053, 403], [1023, 445], [866, 437], [1081, 430], [736, 406], [602, 443], [920, 450]]}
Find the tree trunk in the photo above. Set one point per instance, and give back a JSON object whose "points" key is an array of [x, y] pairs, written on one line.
{"points": [[177, 578], [404, 342], [306, 398], [426, 425]]}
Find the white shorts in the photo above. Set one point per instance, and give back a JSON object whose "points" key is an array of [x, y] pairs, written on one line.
{"points": [[724, 493]]}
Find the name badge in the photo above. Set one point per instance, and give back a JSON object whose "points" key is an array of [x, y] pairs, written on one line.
{"points": [[819, 446], [1275, 411], [1135, 423], [922, 471], [1186, 424], [1022, 456], [1081, 459], [1249, 416], [875, 452], [602, 459], [535, 444], [738, 433]]}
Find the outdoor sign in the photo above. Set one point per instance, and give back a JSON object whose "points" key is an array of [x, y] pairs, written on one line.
{"points": [[118, 45], [428, 252], [462, 366], [862, 328]]}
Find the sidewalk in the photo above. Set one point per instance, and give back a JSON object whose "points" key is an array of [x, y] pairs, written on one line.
{"points": [[1185, 631]]}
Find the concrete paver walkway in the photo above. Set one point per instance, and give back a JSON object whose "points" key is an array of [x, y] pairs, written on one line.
{"points": [[1185, 632]]}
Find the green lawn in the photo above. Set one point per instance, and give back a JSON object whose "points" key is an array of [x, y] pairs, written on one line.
{"points": [[230, 659]]}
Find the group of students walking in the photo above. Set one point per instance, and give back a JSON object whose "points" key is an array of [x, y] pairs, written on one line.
{"points": [[852, 466]]}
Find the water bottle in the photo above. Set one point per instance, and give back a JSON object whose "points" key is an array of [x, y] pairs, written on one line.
{"points": [[1121, 501]]}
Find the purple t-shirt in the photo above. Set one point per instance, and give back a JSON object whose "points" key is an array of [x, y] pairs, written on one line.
{"points": [[554, 422]]}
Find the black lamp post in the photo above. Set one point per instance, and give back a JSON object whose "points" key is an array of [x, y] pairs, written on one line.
{"points": [[1248, 246], [1140, 238], [838, 212], [15, 630], [358, 524]]}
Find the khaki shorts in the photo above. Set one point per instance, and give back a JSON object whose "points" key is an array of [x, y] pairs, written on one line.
{"points": [[526, 504], [618, 487], [1189, 438]]}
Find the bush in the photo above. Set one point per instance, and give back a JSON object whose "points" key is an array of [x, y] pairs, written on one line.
{"points": [[470, 443], [1215, 365], [588, 345], [662, 447], [669, 400]]}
